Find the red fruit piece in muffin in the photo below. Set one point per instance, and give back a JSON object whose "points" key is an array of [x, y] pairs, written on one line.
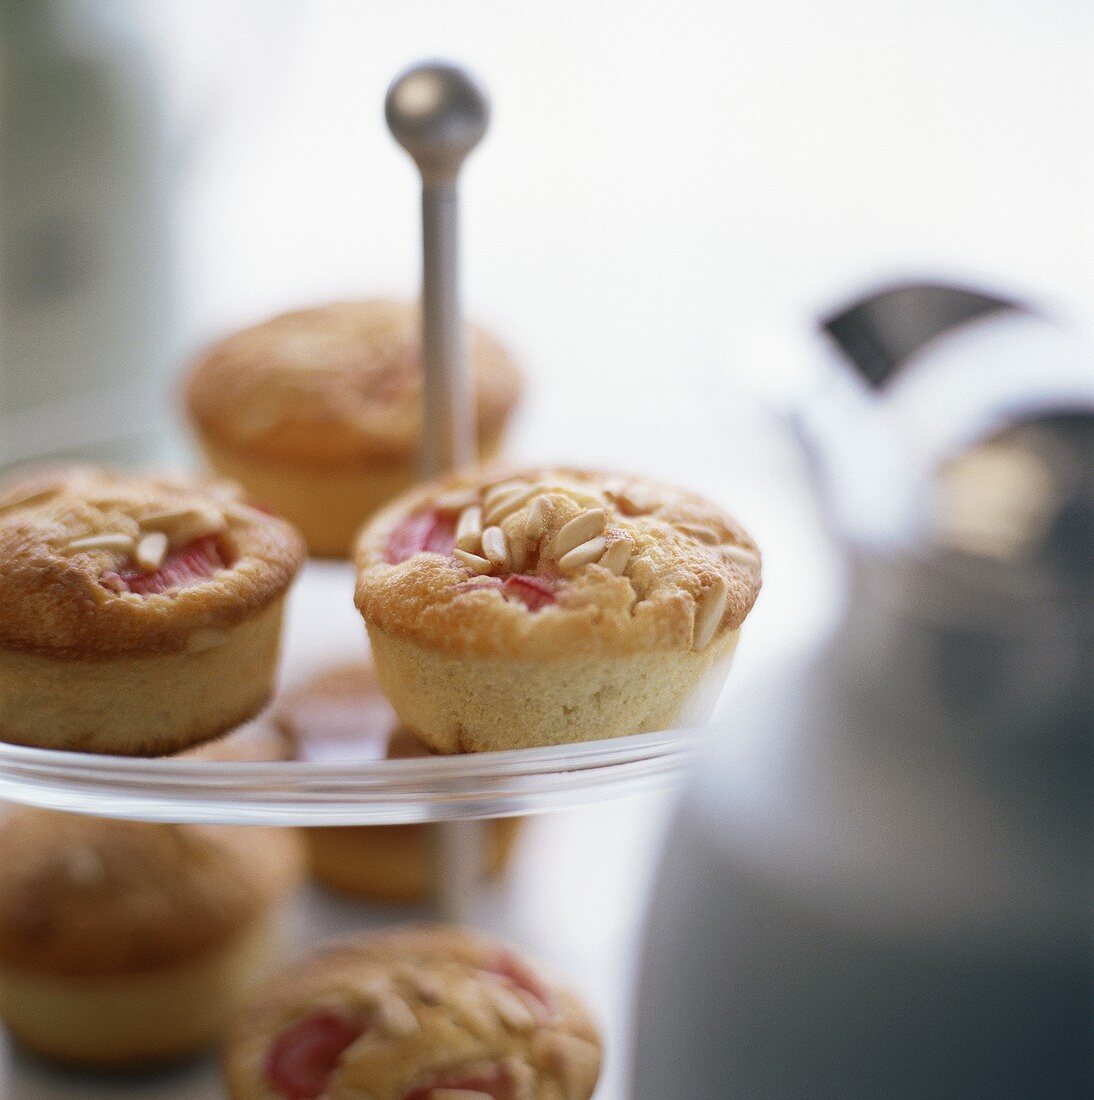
{"points": [[305, 1055], [190, 565], [433, 531]]}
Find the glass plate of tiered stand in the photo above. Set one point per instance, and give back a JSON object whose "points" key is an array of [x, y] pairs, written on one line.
{"points": [[322, 629]]}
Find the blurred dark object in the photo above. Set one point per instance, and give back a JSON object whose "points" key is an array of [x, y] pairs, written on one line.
{"points": [[879, 882], [879, 333]]}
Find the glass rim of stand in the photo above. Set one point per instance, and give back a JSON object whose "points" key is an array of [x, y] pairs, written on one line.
{"points": [[380, 792]]}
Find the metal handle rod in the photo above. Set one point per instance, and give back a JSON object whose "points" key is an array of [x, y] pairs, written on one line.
{"points": [[438, 114], [448, 415]]}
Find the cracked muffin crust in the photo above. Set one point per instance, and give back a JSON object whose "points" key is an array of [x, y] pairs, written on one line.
{"points": [[137, 614], [124, 943], [318, 411], [413, 1014], [549, 605], [341, 715]]}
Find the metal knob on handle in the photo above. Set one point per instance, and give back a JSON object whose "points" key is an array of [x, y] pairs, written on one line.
{"points": [[438, 114]]}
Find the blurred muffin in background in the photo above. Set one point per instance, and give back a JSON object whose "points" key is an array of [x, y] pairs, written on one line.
{"points": [[125, 944], [425, 1013], [342, 716], [318, 412]]}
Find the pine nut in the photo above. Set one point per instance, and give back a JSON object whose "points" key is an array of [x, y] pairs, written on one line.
{"points": [[742, 556], [535, 522], [699, 532], [579, 530], [495, 546], [115, 541], [587, 552], [151, 551], [495, 510], [469, 529], [472, 561], [709, 610], [617, 555]]}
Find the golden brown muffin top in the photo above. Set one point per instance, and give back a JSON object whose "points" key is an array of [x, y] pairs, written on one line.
{"points": [[85, 896], [99, 564], [334, 385], [538, 563], [414, 1014]]}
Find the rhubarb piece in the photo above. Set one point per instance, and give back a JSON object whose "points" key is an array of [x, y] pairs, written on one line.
{"points": [[534, 592], [305, 1055], [191, 565], [506, 965], [433, 532]]}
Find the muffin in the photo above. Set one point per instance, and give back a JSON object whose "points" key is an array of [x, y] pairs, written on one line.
{"points": [[341, 715], [318, 413], [124, 944], [413, 1014], [138, 615], [549, 606]]}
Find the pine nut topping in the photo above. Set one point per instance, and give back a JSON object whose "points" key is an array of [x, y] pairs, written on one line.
{"points": [[518, 553], [492, 495], [184, 525], [396, 1018], [466, 1005], [151, 551], [496, 547], [699, 532], [241, 512], [469, 529], [165, 517], [708, 613], [580, 530], [587, 552], [514, 1013], [495, 510], [472, 561], [455, 501], [636, 501], [535, 522], [742, 556], [115, 541], [617, 555]]}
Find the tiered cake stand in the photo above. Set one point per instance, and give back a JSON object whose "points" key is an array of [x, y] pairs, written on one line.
{"points": [[438, 114]]}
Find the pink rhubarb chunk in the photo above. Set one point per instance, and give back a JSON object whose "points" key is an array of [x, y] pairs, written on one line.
{"points": [[534, 592], [304, 1056], [494, 1083], [434, 532], [506, 965], [181, 569]]}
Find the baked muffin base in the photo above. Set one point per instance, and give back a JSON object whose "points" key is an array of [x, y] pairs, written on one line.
{"points": [[391, 863], [142, 706], [326, 505], [141, 1019], [480, 704]]}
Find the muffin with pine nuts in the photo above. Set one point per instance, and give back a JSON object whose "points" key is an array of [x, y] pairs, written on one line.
{"points": [[413, 1014], [548, 606], [125, 943], [318, 412], [138, 615]]}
